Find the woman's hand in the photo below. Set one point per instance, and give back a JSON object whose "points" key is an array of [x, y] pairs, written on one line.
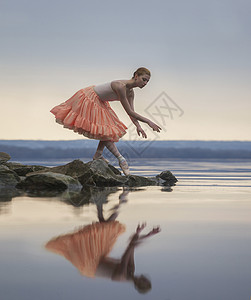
{"points": [[140, 227], [141, 131], [137, 238], [155, 230], [154, 126]]}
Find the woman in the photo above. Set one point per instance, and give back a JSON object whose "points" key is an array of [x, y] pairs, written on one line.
{"points": [[88, 249], [88, 112]]}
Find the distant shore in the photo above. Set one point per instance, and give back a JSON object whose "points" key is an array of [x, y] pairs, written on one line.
{"points": [[37, 149]]}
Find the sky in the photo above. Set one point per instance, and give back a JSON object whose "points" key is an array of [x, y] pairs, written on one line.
{"points": [[198, 52]]}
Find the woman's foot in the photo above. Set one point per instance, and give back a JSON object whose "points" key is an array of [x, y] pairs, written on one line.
{"points": [[95, 157], [124, 166]]}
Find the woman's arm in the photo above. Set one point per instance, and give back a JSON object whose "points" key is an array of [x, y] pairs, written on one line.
{"points": [[121, 91], [130, 98], [126, 266], [139, 129]]}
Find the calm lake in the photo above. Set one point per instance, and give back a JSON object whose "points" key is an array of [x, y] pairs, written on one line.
{"points": [[51, 247]]}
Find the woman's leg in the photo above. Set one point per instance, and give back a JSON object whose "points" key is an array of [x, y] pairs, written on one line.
{"points": [[122, 161], [99, 151], [100, 148], [112, 148]]}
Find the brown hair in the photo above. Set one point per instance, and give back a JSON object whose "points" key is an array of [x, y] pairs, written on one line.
{"points": [[142, 284], [141, 71]]}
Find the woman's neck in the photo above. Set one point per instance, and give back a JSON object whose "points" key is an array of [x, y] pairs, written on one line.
{"points": [[130, 84]]}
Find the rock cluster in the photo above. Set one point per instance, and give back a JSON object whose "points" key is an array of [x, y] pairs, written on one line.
{"points": [[73, 176]]}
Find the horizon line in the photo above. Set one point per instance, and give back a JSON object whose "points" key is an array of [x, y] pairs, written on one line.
{"points": [[192, 140]]}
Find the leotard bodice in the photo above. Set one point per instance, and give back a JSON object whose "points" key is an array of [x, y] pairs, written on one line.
{"points": [[105, 92]]}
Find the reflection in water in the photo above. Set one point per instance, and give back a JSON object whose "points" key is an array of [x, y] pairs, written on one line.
{"points": [[166, 189], [95, 195], [4, 208], [88, 195], [6, 194], [88, 248]]}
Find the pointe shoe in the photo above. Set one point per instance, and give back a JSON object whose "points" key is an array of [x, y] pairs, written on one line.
{"points": [[124, 166], [101, 157]]}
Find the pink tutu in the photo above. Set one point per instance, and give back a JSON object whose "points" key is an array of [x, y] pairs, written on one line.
{"points": [[87, 246], [85, 113]]}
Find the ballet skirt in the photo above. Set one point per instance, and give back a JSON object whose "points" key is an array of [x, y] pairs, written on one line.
{"points": [[85, 113], [87, 246]]}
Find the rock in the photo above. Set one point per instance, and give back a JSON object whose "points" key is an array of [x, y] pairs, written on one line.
{"points": [[13, 165], [114, 170], [23, 170], [8, 178], [6, 194], [168, 177], [74, 169], [49, 181], [101, 175], [45, 193], [8, 181], [4, 157], [134, 180], [94, 173]]}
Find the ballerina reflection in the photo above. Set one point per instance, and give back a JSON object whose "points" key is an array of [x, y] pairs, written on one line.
{"points": [[114, 210], [88, 249]]}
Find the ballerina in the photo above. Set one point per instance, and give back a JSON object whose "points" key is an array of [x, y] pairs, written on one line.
{"points": [[89, 113], [88, 249]]}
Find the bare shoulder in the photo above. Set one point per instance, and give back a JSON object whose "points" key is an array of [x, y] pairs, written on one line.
{"points": [[118, 85]]}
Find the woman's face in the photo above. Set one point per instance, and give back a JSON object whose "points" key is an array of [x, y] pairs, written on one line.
{"points": [[142, 80]]}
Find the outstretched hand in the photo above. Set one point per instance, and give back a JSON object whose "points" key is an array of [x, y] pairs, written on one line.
{"points": [[142, 132], [155, 230], [154, 126], [140, 227]]}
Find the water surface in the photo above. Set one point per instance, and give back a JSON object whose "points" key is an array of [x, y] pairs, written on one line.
{"points": [[202, 251]]}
